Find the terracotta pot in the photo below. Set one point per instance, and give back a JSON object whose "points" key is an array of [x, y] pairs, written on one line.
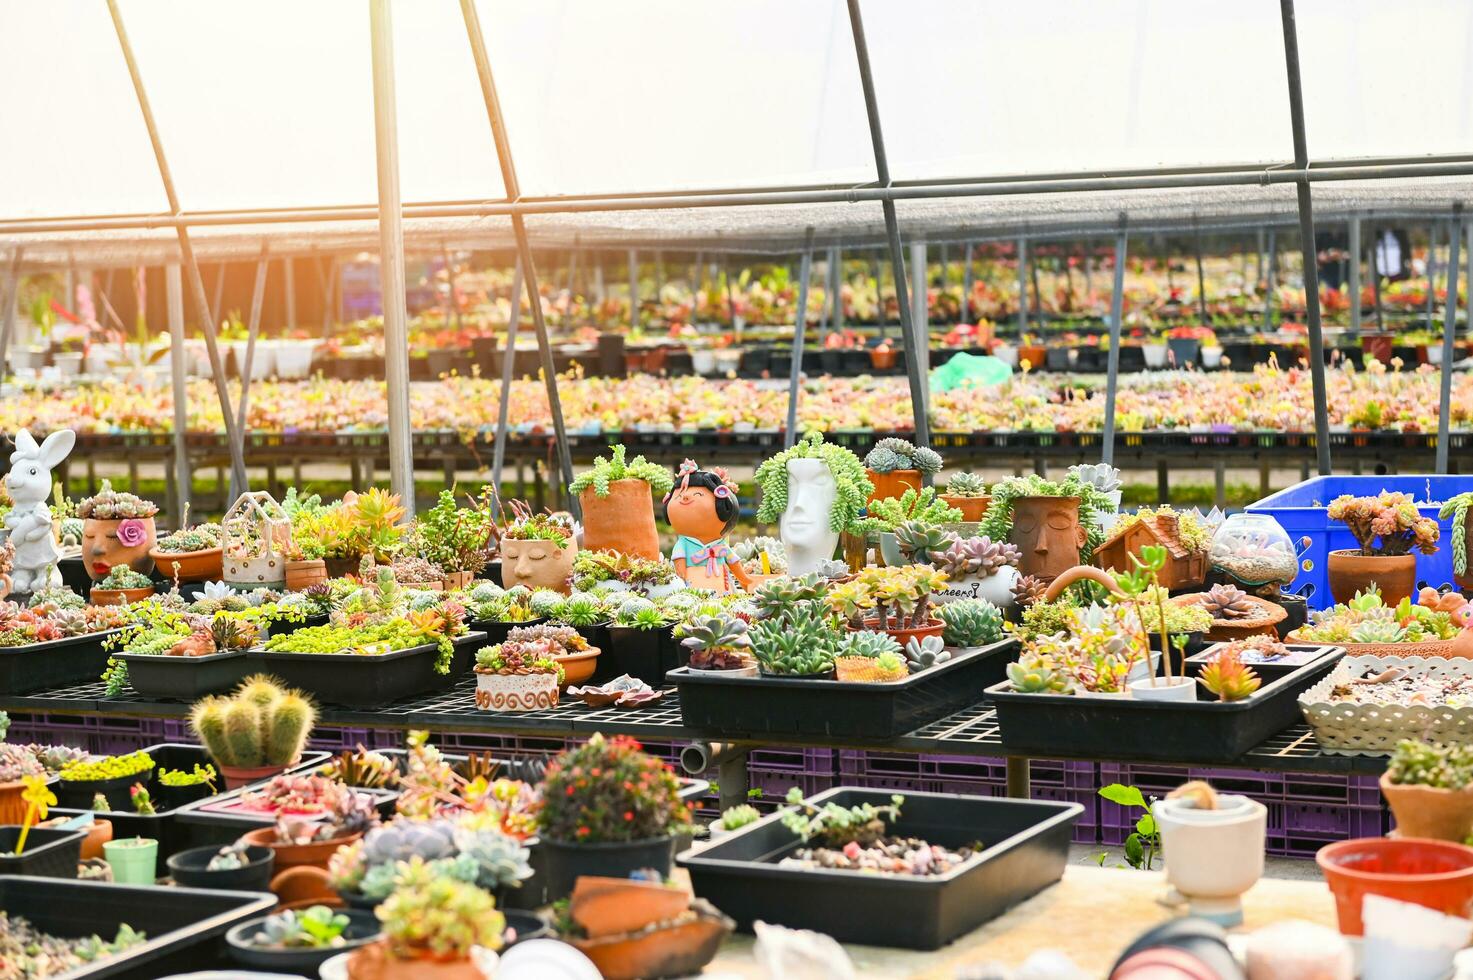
{"points": [[98, 834], [458, 580], [882, 358], [375, 962], [578, 667], [624, 521], [1425, 811], [1264, 622], [893, 484], [973, 508], [1431, 873], [189, 566], [539, 564], [675, 951], [102, 550], [1048, 533], [237, 776], [287, 856], [1351, 572], [933, 627], [302, 575], [1036, 357], [119, 597], [12, 807], [304, 886], [608, 906], [341, 567]]}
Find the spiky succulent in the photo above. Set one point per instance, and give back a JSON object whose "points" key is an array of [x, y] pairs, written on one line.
{"points": [[970, 623], [966, 485], [1228, 677], [921, 542], [868, 643], [1035, 674], [980, 556], [923, 652], [581, 609], [1228, 602], [545, 602]]}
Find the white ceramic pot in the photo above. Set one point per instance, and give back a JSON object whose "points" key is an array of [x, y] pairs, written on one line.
{"points": [[1006, 353], [703, 361], [1213, 856], [1141, 672], [29, 358], [1211, 357], [996, 588], [516, 692], [1173, 689], [1155, 355], [293, 358], [1434, 354], [68, 363]]}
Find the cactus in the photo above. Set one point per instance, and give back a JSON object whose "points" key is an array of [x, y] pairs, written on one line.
{"points": [[1033, 674], [923, 652], [975, 556], [261, 724], [966, 485], [970, 623], [242, 736], [919, 541], [1228, 677], [1228, 602]]}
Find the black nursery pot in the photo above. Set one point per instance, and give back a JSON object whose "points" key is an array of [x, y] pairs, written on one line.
{"points": [[363, 928], [639, 653], [566, 863], [49, 853], [191, 869], [78, 794]]}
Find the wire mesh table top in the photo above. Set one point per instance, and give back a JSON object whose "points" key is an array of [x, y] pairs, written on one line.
{"points": [[973, 731]]}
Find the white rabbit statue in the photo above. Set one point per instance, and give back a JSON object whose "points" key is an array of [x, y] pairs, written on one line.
{"points": [[28, 525]]}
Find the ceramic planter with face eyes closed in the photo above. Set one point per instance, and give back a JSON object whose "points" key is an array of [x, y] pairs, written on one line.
{"points": [[537, 563], [1048, 533], [106, 544]]}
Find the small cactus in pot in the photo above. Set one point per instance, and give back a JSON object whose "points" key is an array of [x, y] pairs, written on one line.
{"points": [[258, 731]]}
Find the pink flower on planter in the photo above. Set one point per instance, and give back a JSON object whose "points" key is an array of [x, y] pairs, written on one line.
{"points": [[132, 532]]}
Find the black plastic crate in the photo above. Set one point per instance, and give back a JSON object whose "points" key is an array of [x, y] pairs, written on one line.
{"points": [[74, 660], [1074, 726], [740, 706], [1026, 847], [184, 926]]}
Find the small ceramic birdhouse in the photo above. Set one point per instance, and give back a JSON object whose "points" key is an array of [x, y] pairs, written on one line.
{"points": [[256, 535]]}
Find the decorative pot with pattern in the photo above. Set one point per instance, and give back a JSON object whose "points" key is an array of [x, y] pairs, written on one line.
{"points": [[515, 690]]}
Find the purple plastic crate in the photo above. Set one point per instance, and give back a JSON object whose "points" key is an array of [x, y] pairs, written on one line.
{"points": [[774, 784]]}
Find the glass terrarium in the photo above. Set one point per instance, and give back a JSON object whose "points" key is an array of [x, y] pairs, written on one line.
{"points": [[256, 536], [1254, 552]]}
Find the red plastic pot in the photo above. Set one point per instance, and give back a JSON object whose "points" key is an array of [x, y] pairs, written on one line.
{"points": [[1431, 873]]}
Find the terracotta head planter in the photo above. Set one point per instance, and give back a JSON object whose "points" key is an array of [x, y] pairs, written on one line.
{"points": [[618, 512], [117, 529], [702, 508], [537, 563], [1048, 533]]}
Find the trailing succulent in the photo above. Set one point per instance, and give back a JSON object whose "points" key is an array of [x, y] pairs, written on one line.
{"points": [[997, 524], [1457, 509], [606, 471], [851, 484], [893, 454], [966, 485], [970, 622]]}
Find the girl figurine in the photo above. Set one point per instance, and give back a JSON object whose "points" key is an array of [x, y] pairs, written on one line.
{"points": [[702, 508]]}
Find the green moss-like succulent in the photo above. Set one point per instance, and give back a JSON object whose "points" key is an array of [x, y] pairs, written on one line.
{"points": [[853, 487]]}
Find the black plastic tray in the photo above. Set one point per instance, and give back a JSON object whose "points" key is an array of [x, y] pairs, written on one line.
{"points": [[1027, 846], [49, 853], [184, 678], [1268, 671], [59, 663], [354, 680], [793, 706], [1069, 726], [184, 926]]}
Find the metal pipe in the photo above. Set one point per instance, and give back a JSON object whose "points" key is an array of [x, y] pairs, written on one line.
{"points": [[1353, 286], [1431, 259], [219, 296], [1271, 281], [920, 316], [258, 300], [892, 229], [391, 255], [450, 285], [1306, 240], [828, 297], [289, 283], [7, 313], [238, 479], [634, 291], [1201, 279], [508, 373], [1449, 328], [519, 228], [800, 332], [967, 283], [183, 481], [1022, 288], [1376, 279], [1112, 374]]}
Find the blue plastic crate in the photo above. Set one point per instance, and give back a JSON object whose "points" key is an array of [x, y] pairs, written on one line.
{"points": [[1300, 509]]}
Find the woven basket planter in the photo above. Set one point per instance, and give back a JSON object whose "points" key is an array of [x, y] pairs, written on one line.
{"points": [[1374, 729]]}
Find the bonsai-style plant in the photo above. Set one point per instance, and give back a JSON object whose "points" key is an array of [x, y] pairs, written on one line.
{"points": [[902, 599], [1430, 790], [895, 465], [1387, 528], [970, 623], [618, 511], [259, 730], [967, 492], [719, 643], [814, 491], [1462, 534]]}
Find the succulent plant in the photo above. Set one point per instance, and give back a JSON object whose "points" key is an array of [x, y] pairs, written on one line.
{"points": [[201, 537], [736, 817], [868, 643], [606, 471], [1102, 476], [776, 596], [261, 724], [403, 839], [717, 642], [54, 758], [966, 485], [1378, 631], [1425, 764], [1029, 591], [57, 596], [922, 652], [545, 602], [919, 541], [970, 623], [1034, 674], [978, 556], [16, 762], [1228, 677], [111, 505], [893, 454], [1228, 602], [581, 609], [500, 859], [892, 664], [123, 577], [441, 919], [317, 927], [799, 642]]}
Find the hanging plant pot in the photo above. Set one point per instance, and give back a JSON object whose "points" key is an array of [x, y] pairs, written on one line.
{"points": [[893, 484], [1351, 572], [622, 522], [189, 566]]}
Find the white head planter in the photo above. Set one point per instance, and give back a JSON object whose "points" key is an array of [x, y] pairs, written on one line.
{"points": [[813, 491], [28, 525]]}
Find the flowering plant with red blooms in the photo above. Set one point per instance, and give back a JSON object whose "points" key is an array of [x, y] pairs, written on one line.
{"points": [[609, 790]]}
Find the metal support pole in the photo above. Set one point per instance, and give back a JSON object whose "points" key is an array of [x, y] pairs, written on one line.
{"points": [[967, 283], [1353, 286], [1019, 778], [519, 228], [7, 315], [839, 288], [892, 230], [800, 330], [508, 373], [450, 285], [288, 269], [920, 315], [258, 300], [1022, 288], [391, 255], [1201, 279], [634, 291], [828, 296], [1431, 280], [1112, 376], [219, 297], [238, 480], [1271, 280], [881, 327], [1449, 328], [183, 481], [1375, 270], [1306, 240]]}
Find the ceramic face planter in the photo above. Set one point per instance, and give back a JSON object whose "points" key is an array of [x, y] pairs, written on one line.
{"points": [[701, 509], [108, 544], [1048, 533], [804, 525], [537, 564]]}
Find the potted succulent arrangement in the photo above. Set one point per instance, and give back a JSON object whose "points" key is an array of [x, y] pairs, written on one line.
{"points": [[80, 780], [256, 540], [432, 926], [563, 645], [414, 572], [1213, 846], [1387, 527], [458, 540], [978, 568], [360, 524], [233, 867], [967, 492], [121, 586], [1368, 625], [608, 809], [255, 733], [494, 611], [900, 599], [1461, 539], [462, 843], [56, 639], [814, 492], [641, 639], [618, 506], [1236, 615], [895, 465], [1429, 788], [117, 530], [305, 565], [1048, 522], [514, 676], [920, 514], [300, 940], [192, 554], [797, 639], [16, 764], [719, 644], [539, 551], [298, 842], [870, 658]]}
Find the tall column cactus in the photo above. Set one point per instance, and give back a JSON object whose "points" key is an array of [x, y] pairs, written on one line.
{"points": [[262, 724]]}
